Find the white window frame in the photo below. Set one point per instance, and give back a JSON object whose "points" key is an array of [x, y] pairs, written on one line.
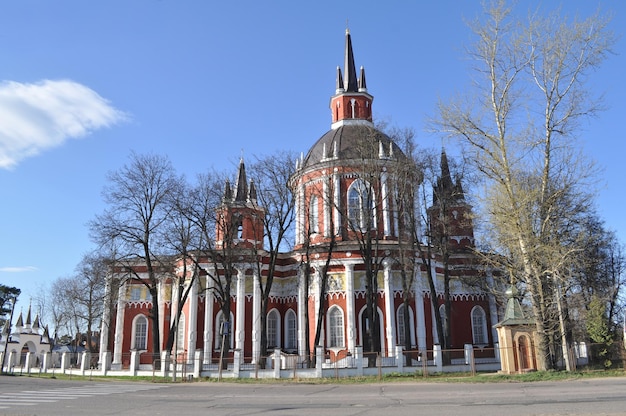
{"points": [[360, 205], [478, 318], [140, 335], [180, 336], [335, 327], [272, 325], [217, 339], [400, 325], [314, 225], [291, 330], [444, 320]]}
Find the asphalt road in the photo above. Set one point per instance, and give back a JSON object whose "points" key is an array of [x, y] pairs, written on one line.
{"points": [[35, 396]]}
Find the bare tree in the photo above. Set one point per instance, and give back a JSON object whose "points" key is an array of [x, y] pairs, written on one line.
{"points": [[314, 245], [76, 301], [88, 293], [137, 196], [271, 175], [364, 221], [408, 176], [519, 128], [215, 229]]}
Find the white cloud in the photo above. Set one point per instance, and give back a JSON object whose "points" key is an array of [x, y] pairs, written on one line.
{"points": [[36, 117], [18, 269]]}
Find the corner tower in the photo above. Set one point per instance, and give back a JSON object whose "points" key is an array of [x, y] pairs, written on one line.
{"points": [[239, 218], [450, 215]]}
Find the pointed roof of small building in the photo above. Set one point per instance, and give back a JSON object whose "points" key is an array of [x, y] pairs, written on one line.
{"points": [[513, 315], [28, 319]]}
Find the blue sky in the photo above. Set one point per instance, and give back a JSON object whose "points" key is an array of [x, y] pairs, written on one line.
{"points": [[84, 83]]}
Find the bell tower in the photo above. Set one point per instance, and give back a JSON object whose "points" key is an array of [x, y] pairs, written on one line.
{"points": [[351, 104], [239, 218], [450, 215]]}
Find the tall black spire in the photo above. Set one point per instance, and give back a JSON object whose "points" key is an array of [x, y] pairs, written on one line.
{"points": [[241, 187], [350, 81]]}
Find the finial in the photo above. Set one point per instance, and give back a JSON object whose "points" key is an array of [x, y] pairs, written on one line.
{"points": [[347, 27]]}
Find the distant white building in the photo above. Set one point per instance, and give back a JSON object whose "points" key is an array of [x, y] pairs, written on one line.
{"points": [[26, 346]]}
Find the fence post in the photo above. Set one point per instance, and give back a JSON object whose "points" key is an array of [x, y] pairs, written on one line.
{"points": [[64, 362], [11, 362], [467, 348], [165, 363], [359, 360], [46, 362], [236, 362], [28, 361], [197, 363], [319, 357], [105, 365], [400, 358], [85, 362], [277, 363], [438, 358], [469, 357], [134, 362]]}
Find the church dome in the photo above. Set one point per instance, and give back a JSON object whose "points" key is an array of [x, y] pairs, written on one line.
{"points": [[352, 142]]}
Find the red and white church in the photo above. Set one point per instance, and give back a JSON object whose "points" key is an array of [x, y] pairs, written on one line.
{"points": [[332, 194]]}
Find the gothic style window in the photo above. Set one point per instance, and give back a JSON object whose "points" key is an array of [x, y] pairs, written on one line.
{"points": [[400, 323], [479, 326], [291, 330], [140, 337], [444, 319], [180, 341], [335, 328], [402, 330], [272, 329], [361, 206], [217, 339], [314, 215]]}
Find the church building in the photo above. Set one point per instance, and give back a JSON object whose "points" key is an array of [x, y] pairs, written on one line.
{"points": [[355, 244]]}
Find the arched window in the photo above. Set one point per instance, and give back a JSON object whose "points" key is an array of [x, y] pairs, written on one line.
{"points": [[404, 332], [314, 226], [479, 326], [291, 330], [273, 332], [140, 336], [335, 328], [217, 340], [361, 206], [444, 320], [180, 339]]}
